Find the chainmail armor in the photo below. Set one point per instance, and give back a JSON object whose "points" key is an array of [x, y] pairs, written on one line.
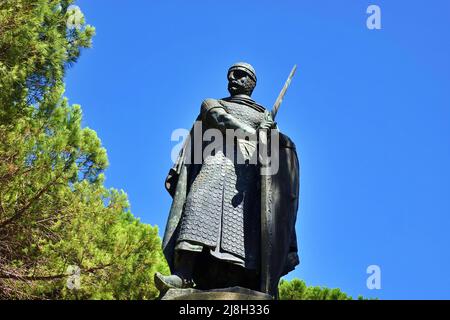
{"points": [[222, 208]]}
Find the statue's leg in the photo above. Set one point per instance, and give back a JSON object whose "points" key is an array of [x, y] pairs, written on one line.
{"points": [[183, 270], [184, 264]]}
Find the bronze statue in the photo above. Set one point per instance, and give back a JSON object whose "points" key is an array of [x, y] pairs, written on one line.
{"points": [[228, 226]]}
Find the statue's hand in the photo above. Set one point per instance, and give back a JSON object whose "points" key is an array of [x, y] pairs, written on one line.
{"points": [[268, 122]]}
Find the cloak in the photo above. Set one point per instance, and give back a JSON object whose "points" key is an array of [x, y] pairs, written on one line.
{"points": [[279, 243]]}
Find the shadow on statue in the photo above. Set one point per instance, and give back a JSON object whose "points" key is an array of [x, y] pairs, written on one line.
{"points": [[211, 273]]}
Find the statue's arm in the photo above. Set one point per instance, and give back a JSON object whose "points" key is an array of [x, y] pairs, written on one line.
{"points": [[171, 182], [214, 115]]}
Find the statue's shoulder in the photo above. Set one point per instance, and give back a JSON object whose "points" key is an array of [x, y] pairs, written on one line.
{"points": [[210, 101], [243, 101], [209, 104]]}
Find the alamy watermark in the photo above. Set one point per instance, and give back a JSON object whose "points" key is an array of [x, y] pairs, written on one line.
{"points": [[240, 147], [373, 22], [75, 17], [374, 280], [74, 277]]}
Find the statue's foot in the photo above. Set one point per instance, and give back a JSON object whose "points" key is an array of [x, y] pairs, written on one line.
{"points": [[164, 283]]}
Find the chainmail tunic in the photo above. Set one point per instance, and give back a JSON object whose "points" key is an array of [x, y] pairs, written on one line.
{"points": [[222, 209]]}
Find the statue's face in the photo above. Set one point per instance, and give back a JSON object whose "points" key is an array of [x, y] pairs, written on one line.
{"points": [[239, 82]]}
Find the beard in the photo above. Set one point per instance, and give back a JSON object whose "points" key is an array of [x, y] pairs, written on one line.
{"points": [[241, 87]]}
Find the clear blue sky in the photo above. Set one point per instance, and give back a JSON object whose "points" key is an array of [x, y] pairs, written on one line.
{"points": [[369, 111]]}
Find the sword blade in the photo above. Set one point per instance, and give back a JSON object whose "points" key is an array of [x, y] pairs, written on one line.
{"points": [[279, 100]]}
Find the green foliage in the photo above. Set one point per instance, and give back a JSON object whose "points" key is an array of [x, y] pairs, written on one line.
{"points": [[54, 209], [297, 290]]}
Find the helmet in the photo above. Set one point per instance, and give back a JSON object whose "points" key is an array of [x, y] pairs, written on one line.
{"points": [[243, 66]]}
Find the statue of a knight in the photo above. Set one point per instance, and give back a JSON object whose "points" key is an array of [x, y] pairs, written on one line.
{"points": [[214, 236]]}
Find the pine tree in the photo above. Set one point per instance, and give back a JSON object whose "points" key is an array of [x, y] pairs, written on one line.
{"points": [[296, 289], [55, 213]]}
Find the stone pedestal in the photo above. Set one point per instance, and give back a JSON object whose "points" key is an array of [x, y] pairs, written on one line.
{"points": [[234, 293]]}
